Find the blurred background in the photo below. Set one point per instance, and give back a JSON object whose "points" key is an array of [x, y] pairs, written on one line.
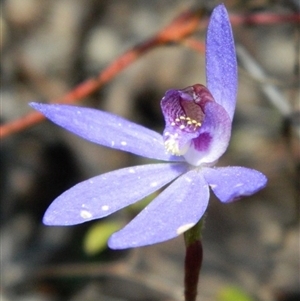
{"points": [[251, 247]]}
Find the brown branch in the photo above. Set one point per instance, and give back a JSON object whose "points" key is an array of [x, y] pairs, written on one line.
{"points": [[182, 26], [196, 45], [263, 18]]}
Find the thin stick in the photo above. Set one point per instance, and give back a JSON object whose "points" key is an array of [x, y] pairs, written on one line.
{"points": [[182, 26]]}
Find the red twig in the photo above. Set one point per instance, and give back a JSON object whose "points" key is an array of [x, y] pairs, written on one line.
{"points": [[194, 44], [263, 18], [184, 25]]}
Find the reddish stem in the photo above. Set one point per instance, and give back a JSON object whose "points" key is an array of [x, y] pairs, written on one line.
{"points": [[193, 262]]}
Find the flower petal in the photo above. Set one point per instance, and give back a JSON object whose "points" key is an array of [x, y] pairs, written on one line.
{"points": [[175, 210], [107, 193], [107, 129], [232, 183], [183, 111], [213, 138], [221, 64]]}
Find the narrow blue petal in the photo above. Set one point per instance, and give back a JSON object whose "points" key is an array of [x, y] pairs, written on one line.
{"points": [[232, 183], [107, 193], [175, 210], [107, 129], [221, 64]]}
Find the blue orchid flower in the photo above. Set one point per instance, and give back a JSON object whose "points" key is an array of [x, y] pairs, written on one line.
{"points": [[198, 128]]}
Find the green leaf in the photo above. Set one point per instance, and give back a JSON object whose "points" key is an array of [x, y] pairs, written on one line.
{"points": [[95, 240], [233, 293]]}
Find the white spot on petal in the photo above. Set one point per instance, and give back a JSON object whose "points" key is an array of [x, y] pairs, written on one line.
{"points": [[123, 143], [153, 184], [131, 170], [105, 207], [213, 185], [184, 228], [112, 143], [85, 214], [239, 185]]}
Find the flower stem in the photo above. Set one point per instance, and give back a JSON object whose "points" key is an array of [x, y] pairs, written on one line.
{"points": [[193, 260]]}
